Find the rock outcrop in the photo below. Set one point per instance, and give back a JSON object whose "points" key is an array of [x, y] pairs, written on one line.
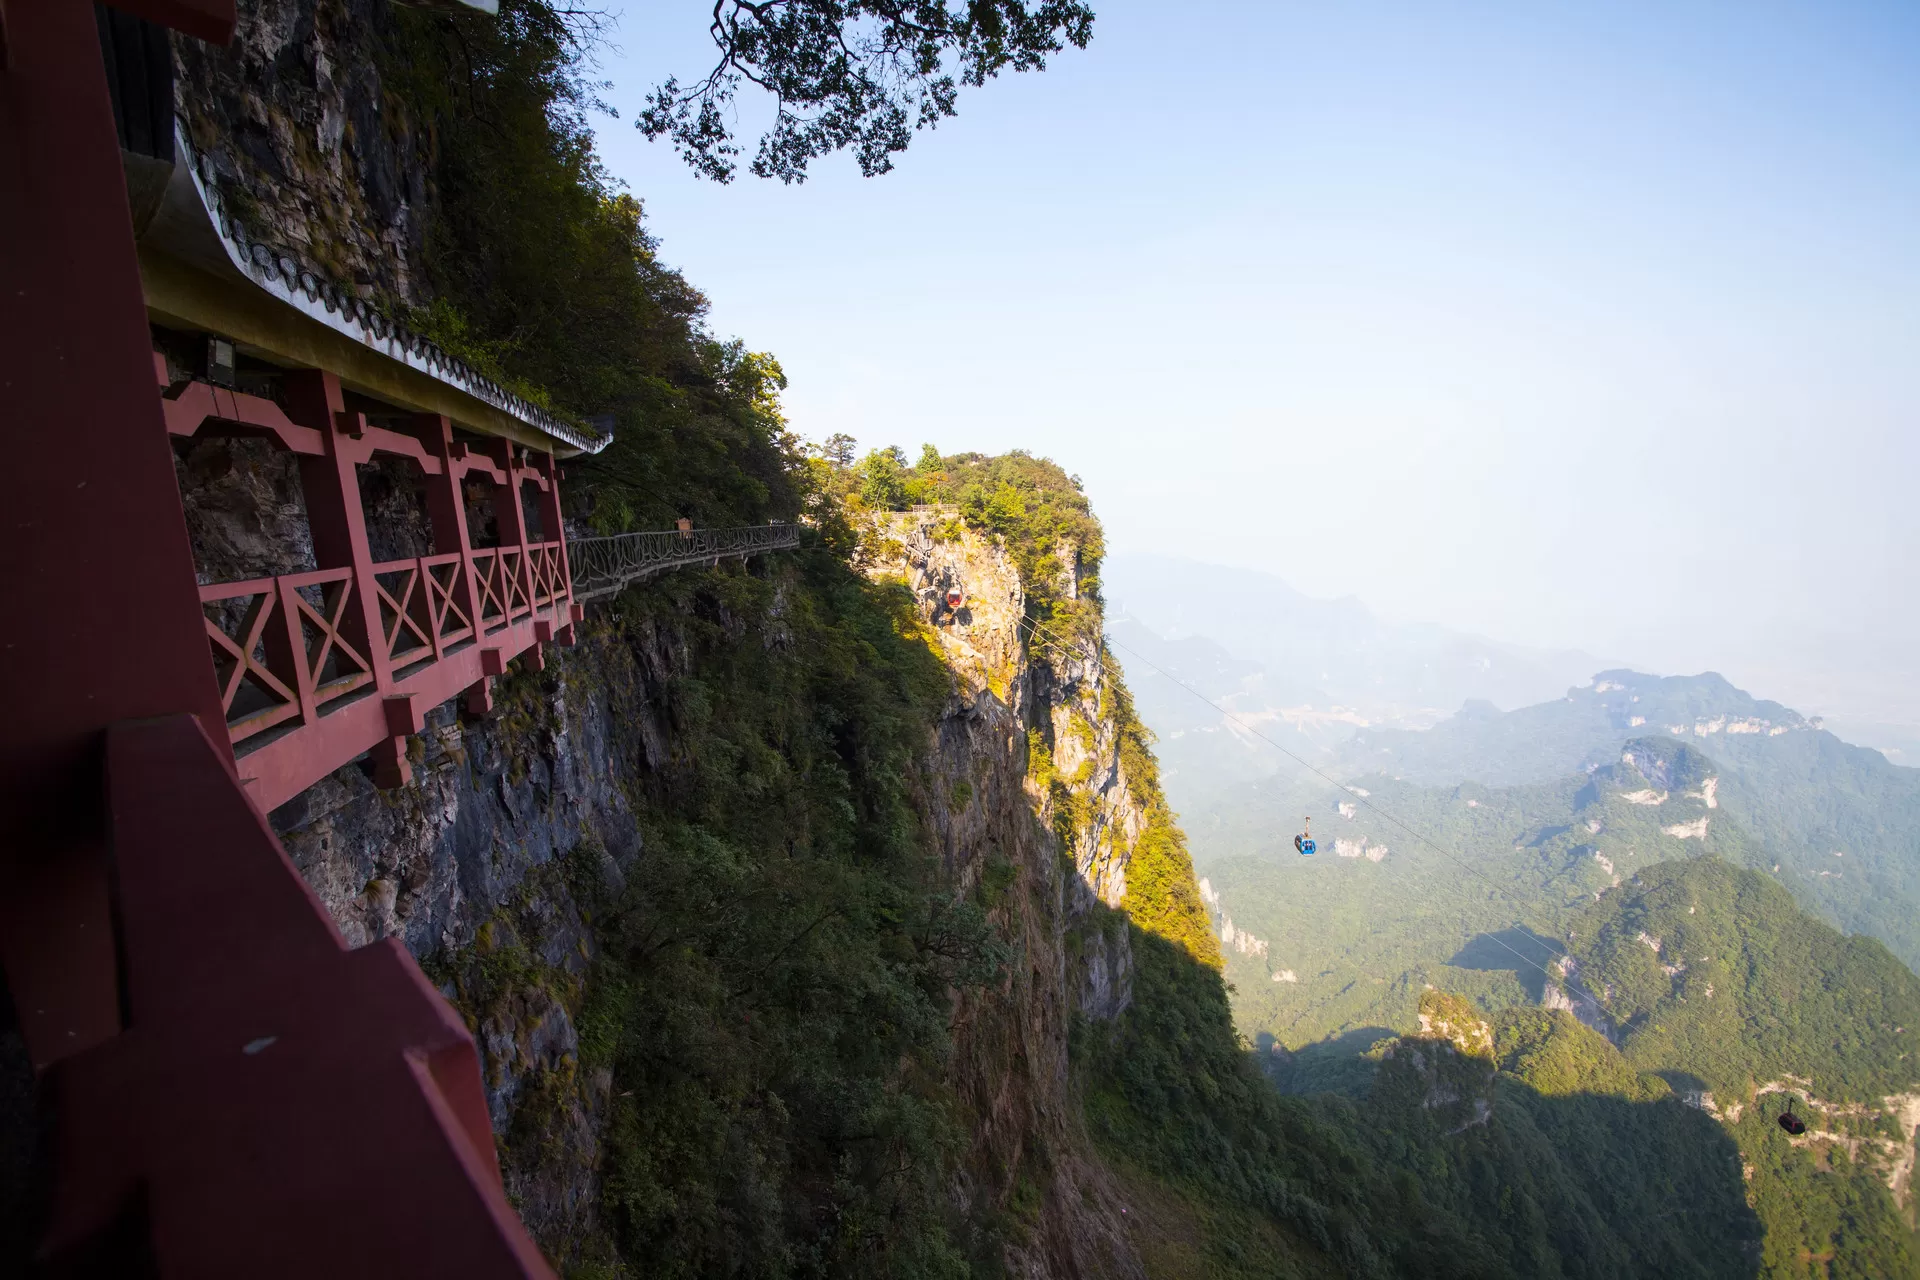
{"points": [[1035, 796]]}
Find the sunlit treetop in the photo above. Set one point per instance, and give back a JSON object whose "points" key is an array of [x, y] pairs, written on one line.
{"points": [[860, 74]]}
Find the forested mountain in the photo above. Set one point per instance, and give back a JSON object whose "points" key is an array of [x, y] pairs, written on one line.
{"points": [[1702, 979], [1425, 884], [1842, 823], [1711, 977]]}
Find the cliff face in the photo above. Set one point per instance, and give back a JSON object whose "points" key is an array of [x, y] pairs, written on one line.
{"points": [[496, 865], [309, 143], [1047, 691], [1030, 804]]}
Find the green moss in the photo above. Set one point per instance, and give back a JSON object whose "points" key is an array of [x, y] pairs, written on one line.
{"points": [[996, 877]]}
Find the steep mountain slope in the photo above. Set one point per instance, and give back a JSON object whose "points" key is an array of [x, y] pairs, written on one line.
{"points": [[1725, 1001], [1346, 940], [1711, 977]]}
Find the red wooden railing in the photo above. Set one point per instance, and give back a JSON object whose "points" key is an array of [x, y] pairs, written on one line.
{"points": [[318, 668], [229, 1090]]}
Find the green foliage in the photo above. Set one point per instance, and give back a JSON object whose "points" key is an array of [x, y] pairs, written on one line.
{"points": [[1551, 1053], [850, 73], [1824, 1216], [1048, 527], [773, 985], [1790, 995], [884, 480], [543, 275], [1163, 896]]}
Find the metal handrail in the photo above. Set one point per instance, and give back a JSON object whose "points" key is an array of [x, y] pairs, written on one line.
{"points": [[602, 566]]}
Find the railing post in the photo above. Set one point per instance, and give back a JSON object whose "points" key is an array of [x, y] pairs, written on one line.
{"points": [[513, 519], [339, 522], [556, 532], [448, 509]]}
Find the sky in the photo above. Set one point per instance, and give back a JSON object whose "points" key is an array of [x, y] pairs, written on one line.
{"points": [[1576, 326]]}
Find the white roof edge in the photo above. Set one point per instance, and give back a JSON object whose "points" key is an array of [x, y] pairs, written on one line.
{"points": [[322, 300]]}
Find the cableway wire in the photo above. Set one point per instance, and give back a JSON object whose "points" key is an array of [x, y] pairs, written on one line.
{"points": [[1409, 829]]}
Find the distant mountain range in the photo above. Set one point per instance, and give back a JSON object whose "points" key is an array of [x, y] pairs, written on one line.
{"points": [[1329, 653], [1352, 697], [1616, 894]]}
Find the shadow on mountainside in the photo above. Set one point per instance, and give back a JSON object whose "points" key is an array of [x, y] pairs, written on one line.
{"points": [[1441, 1167], [1529, 956], [1627, 1188], [1337, 1064]]}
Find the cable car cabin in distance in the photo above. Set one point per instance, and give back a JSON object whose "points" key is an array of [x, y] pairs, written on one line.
{"points": [[1304, 841], [955, 597]]}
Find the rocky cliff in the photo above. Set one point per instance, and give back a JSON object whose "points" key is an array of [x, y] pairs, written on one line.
{"points": [[776, 902], [500, 864]]}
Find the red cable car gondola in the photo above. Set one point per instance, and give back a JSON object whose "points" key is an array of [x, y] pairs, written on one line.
{"points": [[955, 597]]}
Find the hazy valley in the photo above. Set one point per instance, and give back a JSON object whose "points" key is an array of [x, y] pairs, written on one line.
{"points": [[1667, 864]]}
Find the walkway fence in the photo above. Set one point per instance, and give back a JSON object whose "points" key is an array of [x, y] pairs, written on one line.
{"points": [[602, 566]]}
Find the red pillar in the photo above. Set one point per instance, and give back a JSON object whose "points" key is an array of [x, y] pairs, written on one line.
{"points": [[331, 484], [447, 507], [512, 518], [556, 532], [102, 619]]}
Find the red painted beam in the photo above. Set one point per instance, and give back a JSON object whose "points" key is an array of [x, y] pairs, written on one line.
{"points": [[279, 1105], [189, 406], [104, 622]]}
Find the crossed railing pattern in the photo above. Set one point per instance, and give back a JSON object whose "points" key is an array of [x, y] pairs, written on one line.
{"points": [[290, 657], [604, 565], [283, 648]]}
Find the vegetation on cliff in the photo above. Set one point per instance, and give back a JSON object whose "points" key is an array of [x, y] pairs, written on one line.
{"points": [[1041, 518], [773, 992], [767, 1006], [542, 272]]}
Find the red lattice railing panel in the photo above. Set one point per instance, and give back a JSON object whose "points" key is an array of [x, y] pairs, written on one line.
{"points": [[489, 591], [330, 667], [406, 619], [441, 578], [258, 685]]}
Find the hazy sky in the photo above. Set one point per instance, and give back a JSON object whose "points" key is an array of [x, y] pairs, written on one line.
{"points": [[1576, 325]]}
